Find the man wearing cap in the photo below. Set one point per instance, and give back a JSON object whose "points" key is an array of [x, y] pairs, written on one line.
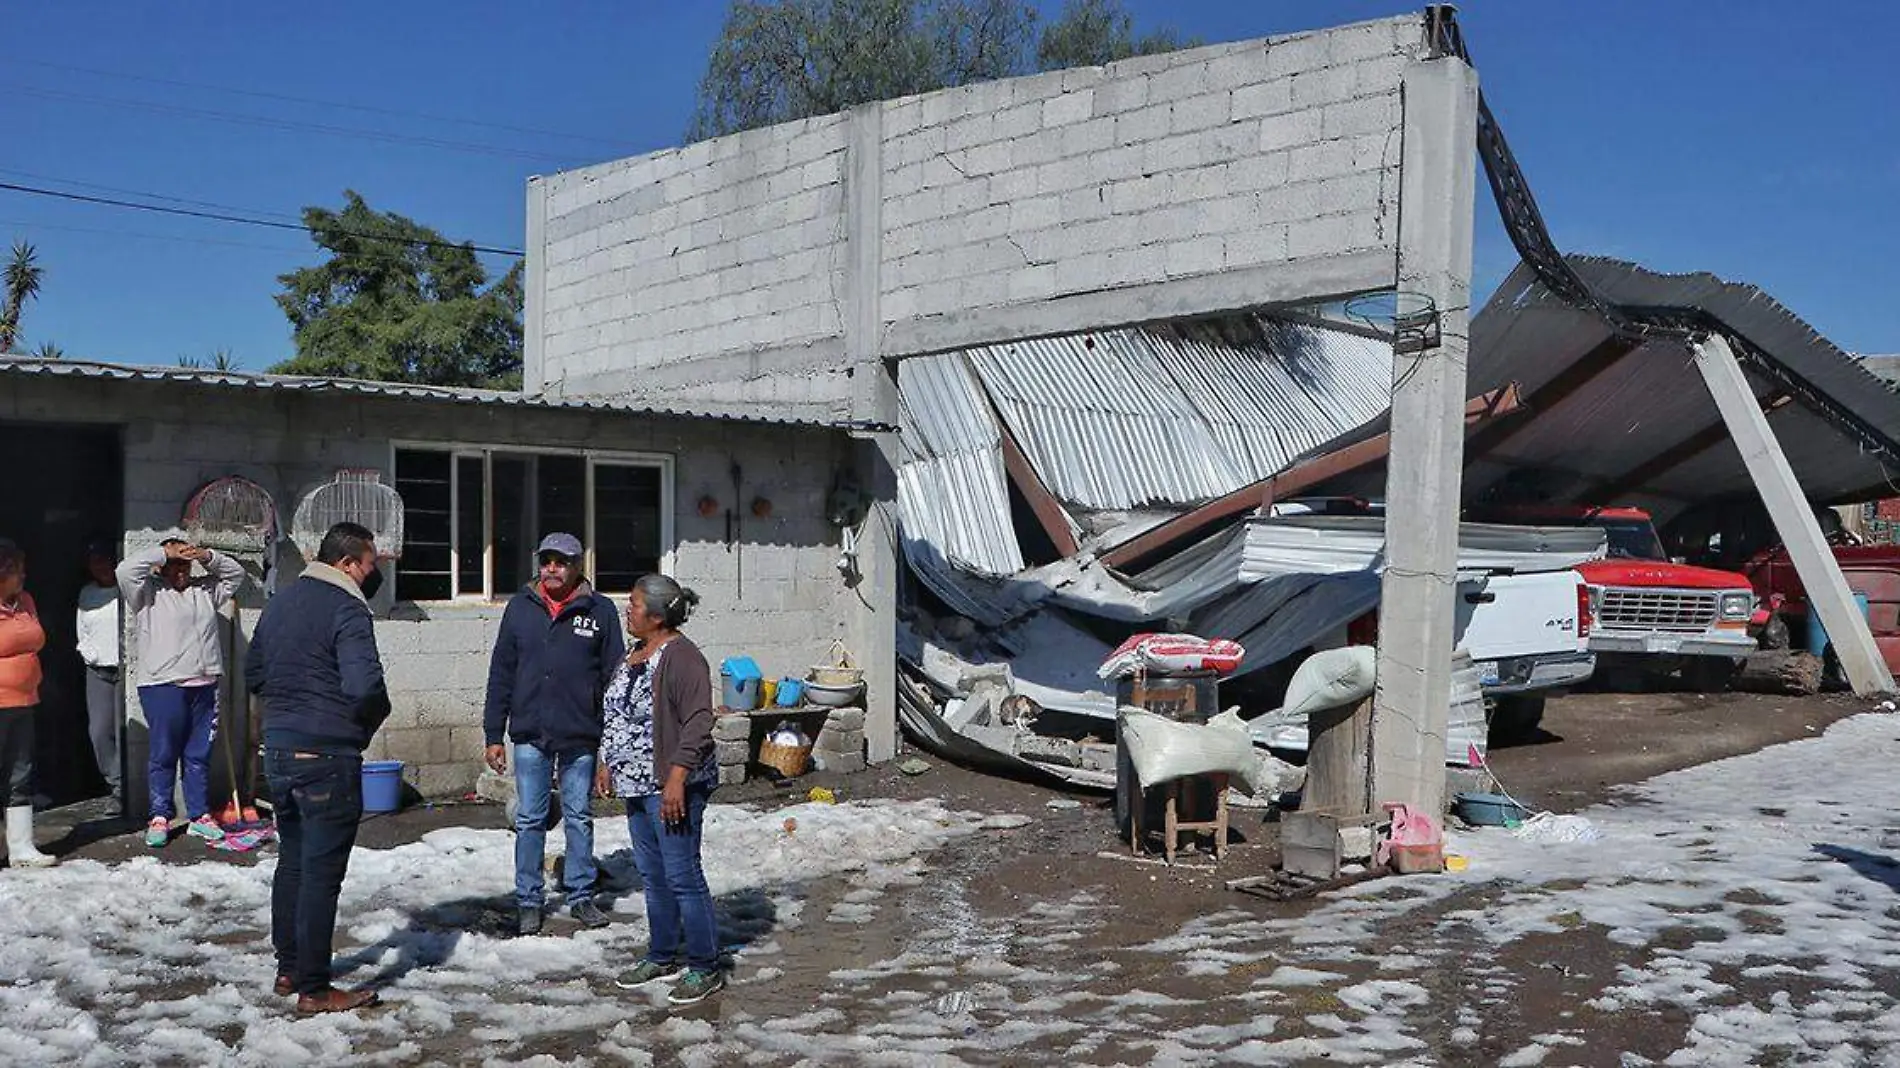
{"points": [[558, 647]]}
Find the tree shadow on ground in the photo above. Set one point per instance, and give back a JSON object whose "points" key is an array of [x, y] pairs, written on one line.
{"points": [[1881, 869]]}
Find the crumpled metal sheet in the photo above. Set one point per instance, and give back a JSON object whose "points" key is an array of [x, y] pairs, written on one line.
{"points": [[1180, 414], [952, 492]]}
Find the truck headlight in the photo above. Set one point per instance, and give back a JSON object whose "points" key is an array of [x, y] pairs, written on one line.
{"points": [[1738, 605]]}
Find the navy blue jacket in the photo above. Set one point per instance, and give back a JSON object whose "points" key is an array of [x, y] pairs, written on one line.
{"points": [[547, 675], [313, 660]]}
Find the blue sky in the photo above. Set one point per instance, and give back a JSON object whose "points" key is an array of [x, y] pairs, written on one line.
{"points": [[1759, 141]]}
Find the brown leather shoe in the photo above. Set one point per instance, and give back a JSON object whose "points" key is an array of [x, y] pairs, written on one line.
{"points": [[284, 986], [330, 999]]}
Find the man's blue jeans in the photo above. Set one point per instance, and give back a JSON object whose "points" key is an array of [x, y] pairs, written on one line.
{"points": [[679, 905], [318, 800], [534, 780]]}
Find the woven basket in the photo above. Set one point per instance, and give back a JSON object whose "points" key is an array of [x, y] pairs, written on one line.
{"points": [[840, 671], [788, 760]]}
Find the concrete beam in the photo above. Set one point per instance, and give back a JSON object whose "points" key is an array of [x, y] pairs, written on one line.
{"points": [[1296, 281], [1793, 517], [1424, 474]]}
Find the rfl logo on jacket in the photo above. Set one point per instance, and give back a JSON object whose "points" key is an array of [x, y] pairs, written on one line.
{"points": [[586, 627]]}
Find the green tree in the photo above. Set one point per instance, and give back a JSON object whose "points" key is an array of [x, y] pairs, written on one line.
{"points": [[1093, 32], [396, 301], [49, 351], [22, 284], [780, 60]]}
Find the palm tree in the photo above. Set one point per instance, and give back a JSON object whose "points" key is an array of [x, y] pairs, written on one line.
{"points": [[22, 282], [49, 351]]}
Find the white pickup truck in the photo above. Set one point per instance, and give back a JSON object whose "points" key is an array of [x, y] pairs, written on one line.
{"points": [[1527, 634]]}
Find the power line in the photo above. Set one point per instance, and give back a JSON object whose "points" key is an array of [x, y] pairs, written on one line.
{"points": [[314, 102], [292, 125], [25, 224], [160, 209], [148, 196]]}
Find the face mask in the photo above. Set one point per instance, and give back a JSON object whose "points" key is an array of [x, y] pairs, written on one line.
{"points": [[372, 582]]}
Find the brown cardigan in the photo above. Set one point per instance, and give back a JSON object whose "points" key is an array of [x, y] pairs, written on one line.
{"points": [[682, 709]]}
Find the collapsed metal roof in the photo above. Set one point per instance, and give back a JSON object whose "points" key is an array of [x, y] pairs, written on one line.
{"points": [[1178, 414], [1620, 416]]}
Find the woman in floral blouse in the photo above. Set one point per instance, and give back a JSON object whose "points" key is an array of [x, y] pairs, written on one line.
{"points": [[656, 751]]}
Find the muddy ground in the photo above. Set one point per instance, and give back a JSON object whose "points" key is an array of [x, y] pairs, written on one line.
{"points": [[1049, 934]]}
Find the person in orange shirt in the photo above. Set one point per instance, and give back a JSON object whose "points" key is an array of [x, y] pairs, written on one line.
{"points": [[21, 639]]}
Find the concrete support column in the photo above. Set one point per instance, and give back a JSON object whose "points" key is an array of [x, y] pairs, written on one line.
{"points": [[873, 593], [1794, 520], [534, 292], [1424, 475]]}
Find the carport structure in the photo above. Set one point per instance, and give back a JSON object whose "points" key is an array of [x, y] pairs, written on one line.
{"points": [[1674, 392]]}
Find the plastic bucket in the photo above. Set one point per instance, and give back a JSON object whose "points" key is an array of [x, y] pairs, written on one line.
{"points": [[382, 785], [740, 694], [1817, 634], [1489, 810]]}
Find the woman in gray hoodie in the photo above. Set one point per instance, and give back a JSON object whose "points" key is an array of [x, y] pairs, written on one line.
{"points": [[179, 668]]}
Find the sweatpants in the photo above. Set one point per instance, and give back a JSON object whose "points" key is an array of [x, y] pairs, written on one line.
{"points": [[184, 722]]}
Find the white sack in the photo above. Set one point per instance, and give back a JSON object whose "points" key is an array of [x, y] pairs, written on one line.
{"points": [[1163, 749]]}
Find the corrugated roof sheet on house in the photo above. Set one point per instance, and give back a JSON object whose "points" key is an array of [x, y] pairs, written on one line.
{"points": [[244, 380]]}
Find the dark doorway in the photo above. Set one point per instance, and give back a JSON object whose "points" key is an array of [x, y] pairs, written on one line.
{"points": [[65, 487]]}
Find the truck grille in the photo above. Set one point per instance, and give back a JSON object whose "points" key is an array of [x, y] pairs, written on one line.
{"points": [[1685, 611]]}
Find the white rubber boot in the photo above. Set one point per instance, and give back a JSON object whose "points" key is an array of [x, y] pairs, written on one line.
{"points": [[21, 853]]}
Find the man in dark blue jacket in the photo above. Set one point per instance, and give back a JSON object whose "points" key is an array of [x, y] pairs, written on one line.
{"points": [[313, 660], [559, 645]]}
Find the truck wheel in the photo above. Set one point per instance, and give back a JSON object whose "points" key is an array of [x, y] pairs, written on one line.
{"points": [[1517, 715], [1707, 674], [1774, 634]]}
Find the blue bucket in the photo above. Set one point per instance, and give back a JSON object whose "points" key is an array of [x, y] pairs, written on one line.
{"points": [[1817, 634], [1489, 810], [382, 785]]}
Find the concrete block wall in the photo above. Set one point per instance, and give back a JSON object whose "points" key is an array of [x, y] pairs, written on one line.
{"points": [[721, 249], [1190, 183], [1234, 158], [772, 593]]}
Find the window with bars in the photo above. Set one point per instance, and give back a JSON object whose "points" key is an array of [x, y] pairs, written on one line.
{"points": [[473, 516]]}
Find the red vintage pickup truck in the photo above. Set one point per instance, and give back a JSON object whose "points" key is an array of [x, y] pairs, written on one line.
{"points": [[1669, 614], [1873, 570]]}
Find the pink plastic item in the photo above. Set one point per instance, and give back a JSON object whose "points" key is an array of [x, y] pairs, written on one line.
{"points": [[1415, 845]]}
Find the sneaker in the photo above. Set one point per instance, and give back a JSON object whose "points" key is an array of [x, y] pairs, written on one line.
{"points": [[696, 986], [527, 922], [645, 973], [206, 828], [588, 914], [158, 832]]}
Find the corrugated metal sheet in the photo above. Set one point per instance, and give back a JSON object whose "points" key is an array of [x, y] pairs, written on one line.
{"points": [[1331, 545], [1177, 415], [960, 505], [953, 492], [240, 380], [1653, 400]]}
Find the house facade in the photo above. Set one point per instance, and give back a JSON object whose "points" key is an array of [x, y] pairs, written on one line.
{"points": [[739, 507]]}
